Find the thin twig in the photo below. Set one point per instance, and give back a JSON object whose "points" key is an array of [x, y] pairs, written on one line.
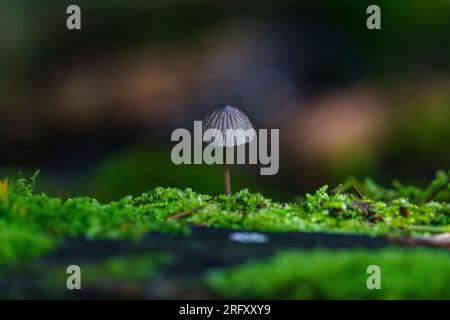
{"points": [[337, 190], [181, 214], [358, 192], [437, 191], [188, 212]]}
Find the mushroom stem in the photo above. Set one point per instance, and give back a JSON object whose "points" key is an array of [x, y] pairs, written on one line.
{"points": [[226, 173]]}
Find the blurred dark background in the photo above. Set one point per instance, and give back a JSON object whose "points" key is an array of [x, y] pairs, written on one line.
{"points": [[94, 109]]}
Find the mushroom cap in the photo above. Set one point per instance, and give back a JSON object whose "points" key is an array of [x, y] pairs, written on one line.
{"points": [[234, 125]]}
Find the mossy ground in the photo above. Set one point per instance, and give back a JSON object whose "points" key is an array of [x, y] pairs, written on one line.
{"points": [[338, 274], [122, 276], [31, 224]]}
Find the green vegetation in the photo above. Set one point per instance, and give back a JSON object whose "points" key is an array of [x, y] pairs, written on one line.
{"points": [[130, 268], [144, 266], [22, 243], [31, 224], [120, 276], [324, 274], [142, 168]]}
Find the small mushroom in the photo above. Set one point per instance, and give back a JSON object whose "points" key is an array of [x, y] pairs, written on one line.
{"points": [[233, 124]]}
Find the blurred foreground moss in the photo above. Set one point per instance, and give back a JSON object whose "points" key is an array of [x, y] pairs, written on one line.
{"points": [[18, 243], [325, 274], [124, 276], [131, 268], [32, 224]]}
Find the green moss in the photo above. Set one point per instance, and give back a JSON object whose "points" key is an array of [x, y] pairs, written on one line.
{"points": [[19, 243], [131, 268], [336, 211], [117, 276], [138, 267], [160, 203], [342, 274], [33, 224]]}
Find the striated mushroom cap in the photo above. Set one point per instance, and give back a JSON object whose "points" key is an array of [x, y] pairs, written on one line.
{"points": [[232, 123]]}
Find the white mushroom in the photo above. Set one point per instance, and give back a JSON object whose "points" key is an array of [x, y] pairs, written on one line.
{"points": [[235, 127]]}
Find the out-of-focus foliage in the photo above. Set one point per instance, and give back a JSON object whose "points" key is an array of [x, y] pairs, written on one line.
{"points": [[140, 68], [122, 277], [420, 133], [19, 242], [142, 168], [438, 189], [323, 274], [133, 268]]}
